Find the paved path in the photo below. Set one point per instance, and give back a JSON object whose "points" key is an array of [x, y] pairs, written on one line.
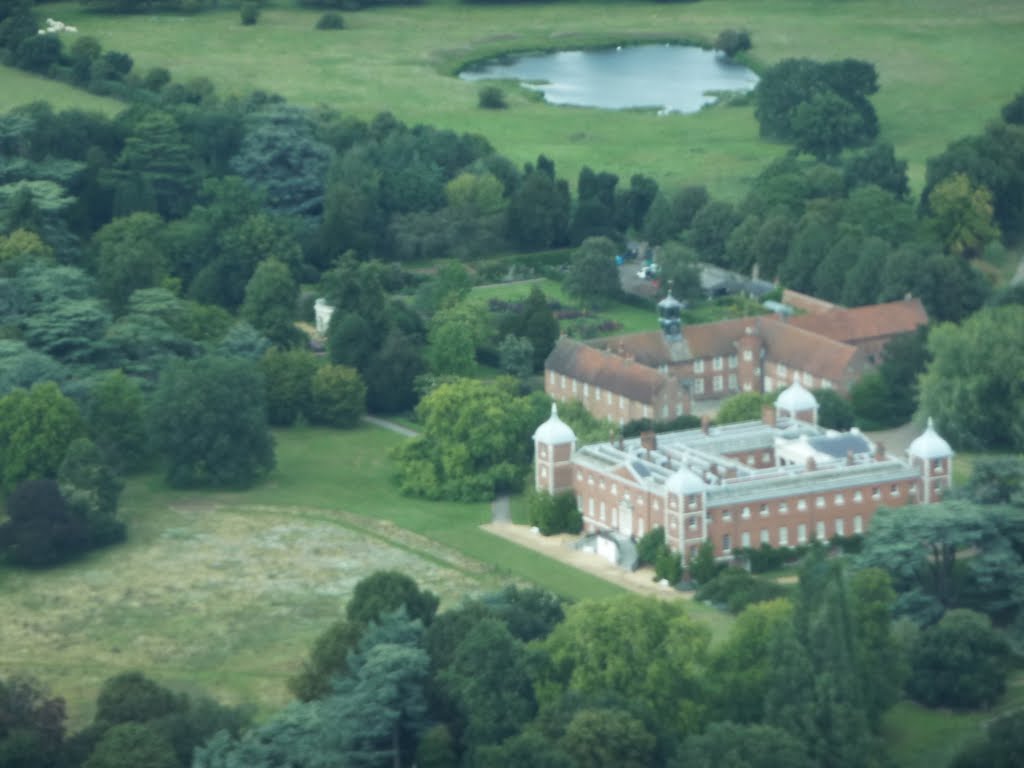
{"points": [[1019, 275], [393, 426], [501, 510]]}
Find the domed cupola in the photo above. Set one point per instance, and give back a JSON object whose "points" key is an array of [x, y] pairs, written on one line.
{"points": [[684, 482], [798, 403], [929, 444], [554, 431]]}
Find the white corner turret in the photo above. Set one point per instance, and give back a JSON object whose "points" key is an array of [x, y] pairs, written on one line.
{"points": [[933, 458], [554, 431], [684, 482], [797, 403], [929, 444]]}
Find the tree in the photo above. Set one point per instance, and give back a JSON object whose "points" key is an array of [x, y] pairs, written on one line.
{"points": [[488, 681], [156, 170], [535, 322], [31, 725], [877, 165], [130, 745], [963, 215], [475, 442], [959, 662], [71, 332], [745, 406], [288, 374], [327, 659], [538, 211], [740, 668], [974, 384], [36, 428], [271, 296], [131, 697], [454, 335], [384, 591], [526, 748], [593, 277], [825, 124], [647, 651], [516, 356], [1002, 747], [41, 529], [608, 738], [91, 489], [281, 155], [679, 270], [391, 374], [952, 553], [710, 229], [733, 41], [834, 411], [129, 256], [338, 396], [555, 514], [209, 420], [703, 568], [750, 746], [996, 480]]}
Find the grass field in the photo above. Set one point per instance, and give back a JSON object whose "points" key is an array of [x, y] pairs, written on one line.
{"points": [[17, 87], [929, 738], [945, 69], [224, 592]]}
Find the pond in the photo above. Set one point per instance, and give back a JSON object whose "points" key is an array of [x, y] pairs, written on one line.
{"points": [[669, 78]]}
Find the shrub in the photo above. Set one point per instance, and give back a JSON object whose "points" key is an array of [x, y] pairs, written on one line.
{"points": [[668, 566], [339, 396], [330, 21], [492, 97], [250, 13], [555, 514], [733, 41], [735, 589], [650, 545], [959, 662]]}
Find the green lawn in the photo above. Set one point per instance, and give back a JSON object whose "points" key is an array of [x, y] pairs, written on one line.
{"points": [[945, 69], [929, 738], [17, 88]]}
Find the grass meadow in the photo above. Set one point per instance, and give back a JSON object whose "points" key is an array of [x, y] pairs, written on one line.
{"points": [[18, 87], [225, 592], [945, 69]]}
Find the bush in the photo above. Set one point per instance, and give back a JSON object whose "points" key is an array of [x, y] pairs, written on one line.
{"points": [[960, 663], [733, 41], [250, 13], [492, 97], [650, 545], [668, 566], [43, 529], [735, 589], [330, 21], [339, 396], [555, 514]]}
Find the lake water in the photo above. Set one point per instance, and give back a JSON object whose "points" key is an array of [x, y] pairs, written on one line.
{"points": [[670, 78]]}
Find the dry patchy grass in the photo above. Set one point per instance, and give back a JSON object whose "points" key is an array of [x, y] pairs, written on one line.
{"points": [[222, 599]]}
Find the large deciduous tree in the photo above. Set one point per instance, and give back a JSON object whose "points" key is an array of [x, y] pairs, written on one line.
{"points": [[129, 255], [209, 420], [974, 384], [36, 428], [475, 442], [338, 396], [271, 296], [593, 277]]}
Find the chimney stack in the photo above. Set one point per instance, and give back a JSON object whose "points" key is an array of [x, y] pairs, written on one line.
{"points": [[649, 440], [849, 458], [705, 424], [768, 414], [811, 464], [879, 451]]}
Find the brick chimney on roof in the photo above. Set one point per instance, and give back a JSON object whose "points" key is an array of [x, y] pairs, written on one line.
{"points": [[649, 440], [811, 464], [879, 451], [705, 424], [768, 414]]}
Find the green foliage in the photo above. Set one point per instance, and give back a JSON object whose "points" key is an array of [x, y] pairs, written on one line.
{"points": [[1002, 746], [745, 406], [492, 97], [710, 229], [36, 428], [327, 658], [593, 278], [455, 334], [650, 545], [733, 41], [735, 589], [608, 738], [338, 396], [385, 591], [963, 215], [209, 421], [271, 296], [129, 256], [288, 374], [752, 746], [834, 410], [130, 745], [131, 697], [668, 566], [475, 442], [91, 489], [32, 730], [488, 681], [959, 662], [704, 568], [996, 480], [973, 383], [516, 356], [555, 513], [249, 13], [41, 530], [538, 211], [649, 652], [330, 21]]}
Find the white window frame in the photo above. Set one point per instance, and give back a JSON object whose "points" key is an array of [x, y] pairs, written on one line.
{"points": [[717, 363], [698, 366]]}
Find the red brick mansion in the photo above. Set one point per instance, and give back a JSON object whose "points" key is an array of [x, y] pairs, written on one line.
{"points": [[658, 374], [780, 481]]}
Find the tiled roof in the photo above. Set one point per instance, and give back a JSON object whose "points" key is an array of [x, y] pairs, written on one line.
{"points": [[810, 352], [806, 303], [863, 323], [605, 370]]}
